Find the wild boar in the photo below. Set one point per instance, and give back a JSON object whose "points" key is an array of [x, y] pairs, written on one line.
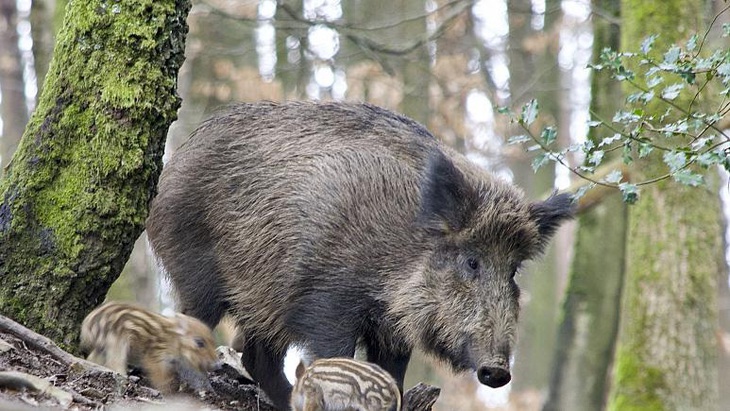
{"points": [[170, 350], [329, 224]]}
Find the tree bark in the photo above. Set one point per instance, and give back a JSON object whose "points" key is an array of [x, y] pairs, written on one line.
{"points": [[529, 68], [44, 29], [666, 355], [76, 195], [589, 324], [590, 311], [13, 111]]}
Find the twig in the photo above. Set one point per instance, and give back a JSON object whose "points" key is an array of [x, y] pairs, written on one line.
{"points": [[44, 344]]}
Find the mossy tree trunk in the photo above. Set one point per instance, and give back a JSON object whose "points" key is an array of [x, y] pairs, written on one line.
{"points": [[666, 354], [76, 194], [589, 320]]}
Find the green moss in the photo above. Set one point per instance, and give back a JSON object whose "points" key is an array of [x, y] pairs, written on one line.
{"points": [[75, 196], [639, 384], [665, 360]]}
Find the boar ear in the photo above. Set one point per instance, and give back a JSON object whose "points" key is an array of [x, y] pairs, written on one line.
{"points": [[447, 199], [549, 214]]}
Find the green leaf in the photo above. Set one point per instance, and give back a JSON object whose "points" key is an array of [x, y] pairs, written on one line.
{"points": [[688, 178], [549, 135], [647, 97], [675, 160], [614, 177], [672, 55], [610, 140], [672, 92], [626, 155], [522, 138], [688, 75], [623, 74], [625, 117], [529, 112], [724, 69], [726, 29], [654, 81], [540, 161], [630, 192], [701, 142], [504, 110], [645, 149], [581, 191], [692, 43], [596, 157], [594, 123], [648, 43], [709, 158]]}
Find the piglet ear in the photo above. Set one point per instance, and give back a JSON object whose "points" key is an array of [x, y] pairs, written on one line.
{"points": [[549, 214], [447, 199], [181, 324], [300, 370]]}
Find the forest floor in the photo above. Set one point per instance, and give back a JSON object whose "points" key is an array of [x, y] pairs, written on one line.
{"points": [[36, 374]]}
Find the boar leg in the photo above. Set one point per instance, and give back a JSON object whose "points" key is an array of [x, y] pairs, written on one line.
{"points": [[394, 363], [191, 263], [267, 369]]}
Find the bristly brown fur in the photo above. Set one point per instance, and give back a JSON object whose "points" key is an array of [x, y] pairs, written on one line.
{"points": [[325, 224], [171, 350]]}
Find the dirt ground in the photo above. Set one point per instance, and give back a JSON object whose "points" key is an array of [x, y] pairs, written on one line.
{"points": [[36, 374], [79, 387]]}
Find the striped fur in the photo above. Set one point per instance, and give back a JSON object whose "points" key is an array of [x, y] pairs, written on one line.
{"points": [[344, 384], [170, 350]]}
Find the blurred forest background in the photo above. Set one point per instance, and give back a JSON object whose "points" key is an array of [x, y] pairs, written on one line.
{"points": [[448, 64]]}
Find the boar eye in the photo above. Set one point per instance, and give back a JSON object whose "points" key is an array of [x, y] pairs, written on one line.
{"points": [[472, 263], [199, 342]]}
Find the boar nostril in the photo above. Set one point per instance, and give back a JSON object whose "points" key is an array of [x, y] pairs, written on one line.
{"points": [[493, 377]]}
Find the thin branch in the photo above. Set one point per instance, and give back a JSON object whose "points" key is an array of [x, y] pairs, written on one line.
{"points": [[707, 32], [44, 344]]}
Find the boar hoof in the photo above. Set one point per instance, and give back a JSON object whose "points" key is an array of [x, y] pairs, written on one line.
{"points": [[493, 376]]}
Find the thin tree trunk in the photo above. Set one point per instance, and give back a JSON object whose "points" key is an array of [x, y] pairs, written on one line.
{"points": [[590, 315], [538, 322], [76, 195], [13, 111], [666, 356], [414, 68], [587, 333], [42, 23]]}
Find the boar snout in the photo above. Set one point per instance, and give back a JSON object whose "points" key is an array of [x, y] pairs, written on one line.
{"points": [[494, 377]]}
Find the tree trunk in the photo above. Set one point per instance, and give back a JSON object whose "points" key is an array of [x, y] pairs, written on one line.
{"points": [[590, 315], [43, 24], [589, 323], [13, 111], [75, 197], [415, 67], [538, 321], [666, 356]]}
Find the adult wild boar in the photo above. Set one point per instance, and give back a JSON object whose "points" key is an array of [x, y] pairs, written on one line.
{"points": [[331, 224]]}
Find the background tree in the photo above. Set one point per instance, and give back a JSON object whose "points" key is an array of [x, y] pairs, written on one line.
{"points": [[75, 196], [14, 110], [666, 355], [589, 320]]}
